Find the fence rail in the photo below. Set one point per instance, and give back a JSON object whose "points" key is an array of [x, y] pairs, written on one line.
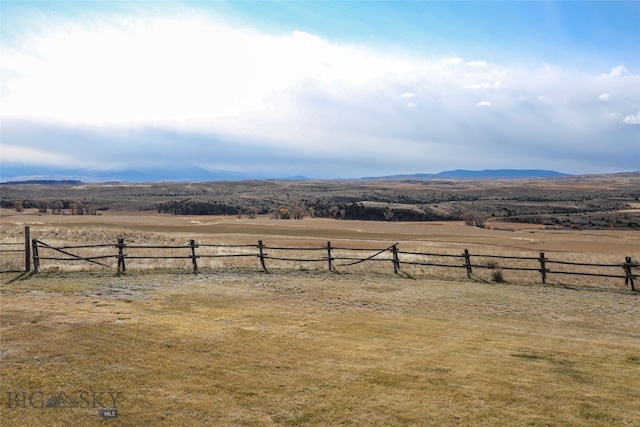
{"points": [[334, 257]]}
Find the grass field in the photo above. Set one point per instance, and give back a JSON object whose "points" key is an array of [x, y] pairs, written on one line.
{"points": [[235, 346], [451, 238], [312, 348]]}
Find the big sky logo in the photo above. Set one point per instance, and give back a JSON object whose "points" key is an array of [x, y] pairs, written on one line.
{"points": [[44, 400]]}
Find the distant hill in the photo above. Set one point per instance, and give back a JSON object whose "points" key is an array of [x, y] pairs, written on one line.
{"points": [[175, 173], [483, 174], [192, 173], [44, 182]]}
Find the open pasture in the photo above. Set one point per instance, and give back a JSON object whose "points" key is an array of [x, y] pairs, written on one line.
{"points": [[447, 238], [317, 348], [235, 346]]}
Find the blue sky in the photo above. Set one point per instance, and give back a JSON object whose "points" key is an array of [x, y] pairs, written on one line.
{"points": [[323, 89]]}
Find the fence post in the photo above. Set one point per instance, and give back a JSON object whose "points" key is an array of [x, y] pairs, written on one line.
{"points": [[467, 262], [193, 256], [329, 259], [396, 261], [36, 258], [543, 268], [628, 280], [121, 265], [27, 249], [260, 246]]}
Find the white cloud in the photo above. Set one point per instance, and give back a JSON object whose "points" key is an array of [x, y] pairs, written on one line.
{"points": [[612, 116], [477, 64], [477, 86], [618, 71], [210, 86], [452, 61], [174, 69], [632, 119], [409, 95], [28, 155], [498, 84]]}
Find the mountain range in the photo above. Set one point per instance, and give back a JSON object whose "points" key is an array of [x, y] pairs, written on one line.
{"points": [[481, 174], [197, 174]]}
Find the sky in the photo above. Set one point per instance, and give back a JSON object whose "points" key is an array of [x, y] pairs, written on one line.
{"points": [[321, 89]]}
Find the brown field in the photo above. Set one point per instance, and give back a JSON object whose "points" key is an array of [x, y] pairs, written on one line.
{"points": [[496, 237], [234, 346], [450, 237], [313, 348]]}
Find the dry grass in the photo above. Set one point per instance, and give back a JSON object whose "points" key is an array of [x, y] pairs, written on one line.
{"points": [[312, 348], [234, 346], [596, 246]]}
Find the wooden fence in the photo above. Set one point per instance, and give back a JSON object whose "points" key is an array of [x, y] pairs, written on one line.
{"points": [[333, 257]]}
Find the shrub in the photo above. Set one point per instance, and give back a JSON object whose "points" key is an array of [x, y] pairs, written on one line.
{"points": [[42, 205], [283, 213], [496, 276], [252, 213]]}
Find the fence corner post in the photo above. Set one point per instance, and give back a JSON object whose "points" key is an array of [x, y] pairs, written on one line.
{"points": [[628, 280], [467, 262], [121, 265], [396, 260], [543, 268], [27, 249], [261, 256], [329, 259], [193, 245]]}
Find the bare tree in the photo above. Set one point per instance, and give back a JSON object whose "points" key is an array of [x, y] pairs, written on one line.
{"points": [[90, 210], [285, 213], [479, 219], [475, 219], [282, 213], [468, 219], [57, 206], [298, 211], [77, 208]]}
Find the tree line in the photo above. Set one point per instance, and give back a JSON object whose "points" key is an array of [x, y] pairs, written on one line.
{"points": [[295, 210], [56, 207], [304, 208]]}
